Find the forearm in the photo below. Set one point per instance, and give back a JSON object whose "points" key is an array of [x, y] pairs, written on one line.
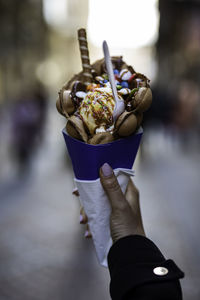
{"points": [[132, 261]]}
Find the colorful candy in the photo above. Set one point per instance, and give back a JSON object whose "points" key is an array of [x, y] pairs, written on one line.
{"points": [[125, 74], [124, 84]]}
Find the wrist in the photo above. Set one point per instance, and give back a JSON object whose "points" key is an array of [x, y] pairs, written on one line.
{"points": [[119, 234]]}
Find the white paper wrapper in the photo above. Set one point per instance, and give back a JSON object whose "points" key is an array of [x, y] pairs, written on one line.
{"points": [[87, 160], [97, 209]]}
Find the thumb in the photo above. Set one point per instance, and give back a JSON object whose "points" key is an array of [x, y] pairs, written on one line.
{"points": [[112, 187]]}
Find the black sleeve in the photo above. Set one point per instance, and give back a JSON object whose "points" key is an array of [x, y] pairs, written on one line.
{"points": [[139, 271]]}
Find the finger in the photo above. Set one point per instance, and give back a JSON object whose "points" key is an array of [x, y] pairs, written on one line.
{"points": [[83, 216], [131, 186], [112, 187], [132, 195], [75, 192], [88, 234]]}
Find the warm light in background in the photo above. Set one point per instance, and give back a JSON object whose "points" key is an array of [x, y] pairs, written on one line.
{"points": [[124, 24], [55, 12], [127, 25]]}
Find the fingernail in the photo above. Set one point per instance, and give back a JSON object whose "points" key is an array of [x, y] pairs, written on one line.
{"points": [[81, 219], [107, 170]]}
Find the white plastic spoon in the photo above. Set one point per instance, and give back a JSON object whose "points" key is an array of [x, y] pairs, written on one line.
{"points": [[119, 104]]}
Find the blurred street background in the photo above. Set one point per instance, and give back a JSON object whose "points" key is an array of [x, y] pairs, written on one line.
{"points": [[43, 252]]}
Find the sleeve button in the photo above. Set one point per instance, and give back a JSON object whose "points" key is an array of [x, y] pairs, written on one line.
{"points": [[160, 271]]}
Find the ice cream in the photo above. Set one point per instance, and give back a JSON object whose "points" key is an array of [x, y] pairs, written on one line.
{"points": [[88, 104], [96, 110]]}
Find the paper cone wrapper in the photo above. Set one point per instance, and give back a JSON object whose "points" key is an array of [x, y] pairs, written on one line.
{"points": [[87, 160]]}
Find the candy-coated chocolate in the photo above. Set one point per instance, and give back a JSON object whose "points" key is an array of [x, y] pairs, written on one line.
{"points": [[80, 94], [105, 76], [124, 91], [99, 78], [124, 84], [132, 77], [125, 74]]}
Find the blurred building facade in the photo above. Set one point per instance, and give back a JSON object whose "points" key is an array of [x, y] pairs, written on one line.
{"points": [[24, 45], [176, 89]]}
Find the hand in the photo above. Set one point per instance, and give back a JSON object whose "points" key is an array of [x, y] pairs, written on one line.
{"points": [[125, 216], [84, 220], [83, 216]]}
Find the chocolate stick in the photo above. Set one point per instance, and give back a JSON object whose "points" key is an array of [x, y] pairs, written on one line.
{"points": [[83, 45]]}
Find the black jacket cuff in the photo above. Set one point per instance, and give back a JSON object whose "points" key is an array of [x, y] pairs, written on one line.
{"points": [[132, 261]]}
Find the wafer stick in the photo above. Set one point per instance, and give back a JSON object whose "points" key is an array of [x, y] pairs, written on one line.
{"points": [[83, 45]]}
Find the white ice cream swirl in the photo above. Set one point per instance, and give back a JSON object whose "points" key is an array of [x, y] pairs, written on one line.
{"points": [[96, 109]]}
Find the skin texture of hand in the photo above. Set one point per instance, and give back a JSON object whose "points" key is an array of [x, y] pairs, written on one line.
{"points": [[84, 220], [125, 216]]}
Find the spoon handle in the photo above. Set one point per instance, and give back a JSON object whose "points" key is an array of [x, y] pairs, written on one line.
{"points": [[109, 68]]}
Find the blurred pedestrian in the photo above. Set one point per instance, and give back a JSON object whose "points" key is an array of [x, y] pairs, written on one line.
{"points": [[28, 120]]}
